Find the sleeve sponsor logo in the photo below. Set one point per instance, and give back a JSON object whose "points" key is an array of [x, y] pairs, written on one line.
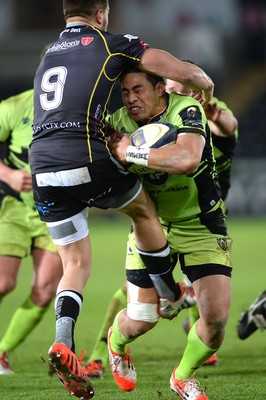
{"points": [[130, 37]]}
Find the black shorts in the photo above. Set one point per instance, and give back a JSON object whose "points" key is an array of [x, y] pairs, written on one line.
{"points": [[103, 184]]}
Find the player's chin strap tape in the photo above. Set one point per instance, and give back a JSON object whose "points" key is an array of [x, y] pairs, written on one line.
{"points": [[137, 155]]}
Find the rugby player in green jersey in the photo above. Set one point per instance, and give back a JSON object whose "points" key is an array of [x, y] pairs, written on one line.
{"points": [[223, 125], [22, 233], [187, 198]]}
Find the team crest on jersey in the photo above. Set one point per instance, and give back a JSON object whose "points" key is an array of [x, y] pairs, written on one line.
{"points": [[222, 243], [86, 40]]}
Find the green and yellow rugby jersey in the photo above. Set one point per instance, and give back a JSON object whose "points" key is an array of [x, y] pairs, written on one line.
{"points": [[16, 116], [223, 152], [180, 197]]}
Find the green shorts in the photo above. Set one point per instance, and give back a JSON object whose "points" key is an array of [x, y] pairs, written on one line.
{"points": [[201, 250], [21, 229]]}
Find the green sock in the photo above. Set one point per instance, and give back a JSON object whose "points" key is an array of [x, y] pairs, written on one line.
{"points": [[193, 314], [118, 302], [194, 355], [26, 317], [118, 340]]}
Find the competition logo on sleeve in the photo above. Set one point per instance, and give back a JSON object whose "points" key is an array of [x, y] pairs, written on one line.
{"points": [[191, 116], [191, 112], [86, 40]]}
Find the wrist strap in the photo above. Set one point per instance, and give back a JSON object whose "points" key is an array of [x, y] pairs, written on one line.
{"points": [[137, 155]]}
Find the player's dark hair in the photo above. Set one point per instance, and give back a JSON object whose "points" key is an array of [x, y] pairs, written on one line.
{"points": [[84, 8], [153, 79]]}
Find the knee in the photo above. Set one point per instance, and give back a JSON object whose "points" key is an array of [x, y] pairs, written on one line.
{"points": [[7, 284], [43, 295], [140, 328], [218, 325], [145, 315], [141, 208], [216, 322]]}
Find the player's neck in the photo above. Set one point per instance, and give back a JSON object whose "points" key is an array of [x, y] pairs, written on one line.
{"points": [[157, 115], [79, 21]]}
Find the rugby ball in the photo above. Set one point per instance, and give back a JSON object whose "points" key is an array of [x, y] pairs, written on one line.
{"points": [[154, 135]]}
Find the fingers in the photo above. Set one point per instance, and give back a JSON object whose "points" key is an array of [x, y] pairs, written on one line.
{"points": [[208, 93], [21, 181]]}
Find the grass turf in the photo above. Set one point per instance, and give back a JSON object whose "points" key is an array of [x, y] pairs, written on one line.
{"points": [[242, 367]]}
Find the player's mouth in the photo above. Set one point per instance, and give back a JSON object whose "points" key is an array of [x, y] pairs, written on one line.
{"points": [[134, 110]]}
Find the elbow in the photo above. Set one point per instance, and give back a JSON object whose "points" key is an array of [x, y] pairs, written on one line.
{"points": [[191, 167], [231, 130], [232, 126], [235, 123]]}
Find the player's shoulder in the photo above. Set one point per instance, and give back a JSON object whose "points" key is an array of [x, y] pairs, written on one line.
{"points": [[15, 110], [122, 121], [18, 98], [177, 103], [125, 42], [26, 96], [118, 115], [182, 101]]}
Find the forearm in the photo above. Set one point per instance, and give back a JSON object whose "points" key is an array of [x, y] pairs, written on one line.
{"points": [[177, 161], [168, 66], [173, 159], [225, 123]]}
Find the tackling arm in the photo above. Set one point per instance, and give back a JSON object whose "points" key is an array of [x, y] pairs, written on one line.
{"points": [[162, 63]]}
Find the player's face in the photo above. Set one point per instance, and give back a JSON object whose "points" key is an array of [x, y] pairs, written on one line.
{"points": [[176, 87], [140, 97]]}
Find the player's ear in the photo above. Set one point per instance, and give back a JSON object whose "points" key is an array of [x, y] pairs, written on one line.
{"points": [[99, 16], [160, 88]]}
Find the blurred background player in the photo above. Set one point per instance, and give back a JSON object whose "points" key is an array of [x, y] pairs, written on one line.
{"points": [[22, 233], [254, 318], [224, 129]]}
